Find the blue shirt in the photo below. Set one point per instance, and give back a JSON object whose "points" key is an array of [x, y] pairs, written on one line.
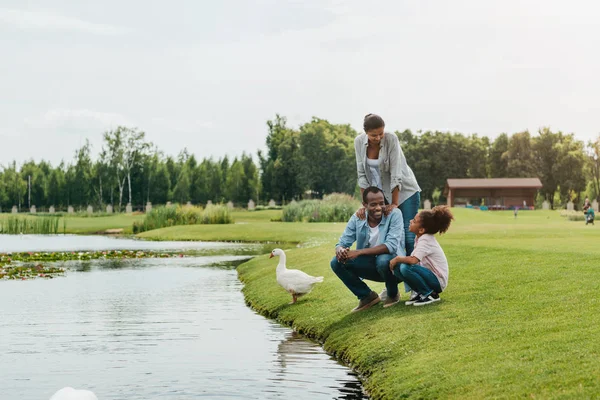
{"points": [[391, 233]]}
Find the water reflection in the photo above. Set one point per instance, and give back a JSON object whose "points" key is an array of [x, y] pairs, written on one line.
{"points": [[173, 328], [295, 357]]}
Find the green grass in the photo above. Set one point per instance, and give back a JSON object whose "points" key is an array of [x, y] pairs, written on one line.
{"points": [[519, 319]]}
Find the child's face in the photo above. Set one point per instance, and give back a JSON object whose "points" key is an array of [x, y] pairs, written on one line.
{"points": [[415, 224]]}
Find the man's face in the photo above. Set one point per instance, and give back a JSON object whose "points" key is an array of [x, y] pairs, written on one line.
{"points": [[375, 205]]}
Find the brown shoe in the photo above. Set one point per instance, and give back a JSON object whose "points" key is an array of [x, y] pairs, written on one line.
{"points": [[390, 301], [367, 302]]}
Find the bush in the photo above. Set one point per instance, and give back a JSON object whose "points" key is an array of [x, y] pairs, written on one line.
{"points": [[336, 207], [163, 217], [573, 215]]}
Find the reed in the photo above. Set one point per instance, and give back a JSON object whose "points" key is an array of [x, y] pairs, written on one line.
{"points": [[47, 225]]}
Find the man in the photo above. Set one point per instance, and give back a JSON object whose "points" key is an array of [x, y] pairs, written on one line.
{"points": [[379, 238]]}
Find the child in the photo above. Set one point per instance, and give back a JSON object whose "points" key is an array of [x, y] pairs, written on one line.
{"points": [[426, 269]]}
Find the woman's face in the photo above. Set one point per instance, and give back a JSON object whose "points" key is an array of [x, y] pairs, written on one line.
{"points": [[375, 135]]}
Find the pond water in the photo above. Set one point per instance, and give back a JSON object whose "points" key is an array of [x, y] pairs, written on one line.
{"points": [[172, 328]]}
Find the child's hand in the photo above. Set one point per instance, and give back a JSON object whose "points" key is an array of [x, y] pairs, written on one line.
{"points": [[393, 262]]}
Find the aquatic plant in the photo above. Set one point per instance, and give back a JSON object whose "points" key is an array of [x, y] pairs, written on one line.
{"points": [[28, 265], [16, 225]]}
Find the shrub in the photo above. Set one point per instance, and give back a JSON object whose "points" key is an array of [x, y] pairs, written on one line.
{"points": [[336, 207], [573, 215], [163, 217]]}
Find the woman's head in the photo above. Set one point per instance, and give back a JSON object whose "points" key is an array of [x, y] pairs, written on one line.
{"points": [[374, 127], [431, 221]]}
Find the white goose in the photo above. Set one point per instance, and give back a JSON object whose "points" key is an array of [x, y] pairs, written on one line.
{"points": [[296, 282], [68, 393]]}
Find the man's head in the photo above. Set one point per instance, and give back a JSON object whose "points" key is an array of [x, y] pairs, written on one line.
{"points": [[374, 202]]}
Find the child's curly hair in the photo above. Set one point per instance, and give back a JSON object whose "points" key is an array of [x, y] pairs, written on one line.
{"points": [[436, 220]]}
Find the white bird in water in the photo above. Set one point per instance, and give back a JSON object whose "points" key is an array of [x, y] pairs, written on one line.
{"points": [[296, 282], [68, 393]]}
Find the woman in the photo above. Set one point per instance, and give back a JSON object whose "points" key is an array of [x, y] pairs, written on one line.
{"points": [[380, 162]]}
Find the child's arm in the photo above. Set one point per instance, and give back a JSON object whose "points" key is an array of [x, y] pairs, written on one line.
{"points": [[403, 260]]}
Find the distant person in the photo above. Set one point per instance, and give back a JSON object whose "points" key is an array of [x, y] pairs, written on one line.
{"points": [[586, 204], [380, 162], [589, 215], [426, 269], [379, 238]]}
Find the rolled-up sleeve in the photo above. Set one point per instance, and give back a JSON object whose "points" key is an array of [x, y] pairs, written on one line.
{"points": [[397, 161], [359, 150], [349, 236], [394, 240]]}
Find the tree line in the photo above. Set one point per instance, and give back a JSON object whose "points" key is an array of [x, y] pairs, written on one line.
{"points": [[315, 159]]}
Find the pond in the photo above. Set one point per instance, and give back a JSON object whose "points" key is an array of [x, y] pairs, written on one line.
{"points": [[175, 328]]}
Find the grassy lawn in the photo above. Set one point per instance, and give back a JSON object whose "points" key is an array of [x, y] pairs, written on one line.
{"points": [[520, 317]]}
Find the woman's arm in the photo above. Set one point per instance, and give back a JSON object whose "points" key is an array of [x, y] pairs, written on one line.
{"points": [[396, 161], [363, 182]]}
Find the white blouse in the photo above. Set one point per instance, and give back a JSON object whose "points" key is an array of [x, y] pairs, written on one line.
{"points": [[374, 169]]}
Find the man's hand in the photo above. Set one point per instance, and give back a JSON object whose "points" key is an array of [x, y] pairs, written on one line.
{"points": [[352, 254], [361, 213], [341, 253]]}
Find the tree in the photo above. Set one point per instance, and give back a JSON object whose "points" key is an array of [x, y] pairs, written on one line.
{"points": [[545, 149], [161, 184], [82, 173], [15, 186], [325, 157], [251, 185], [519, 156], [56, 184], [569, 166], [235, 181], [181, 192], [124, 150], [593, 165], [498, 165]]}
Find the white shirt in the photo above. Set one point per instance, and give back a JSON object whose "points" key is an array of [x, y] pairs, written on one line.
{"points": [[374, 169], [373, 235], [431, 256]]}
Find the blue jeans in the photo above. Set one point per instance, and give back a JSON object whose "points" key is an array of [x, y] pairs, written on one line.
{"points": [[409, 209], [374, 268], [421, 279]]}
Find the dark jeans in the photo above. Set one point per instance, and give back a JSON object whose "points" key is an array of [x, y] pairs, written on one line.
{"points": [[421, 279], [409, 209], [374, 268]]}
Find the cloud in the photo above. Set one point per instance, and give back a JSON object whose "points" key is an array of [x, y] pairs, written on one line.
{"points": [[76, 121], [49, 21]]}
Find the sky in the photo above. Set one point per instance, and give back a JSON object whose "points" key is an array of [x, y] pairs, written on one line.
{"points": [[207, 75]]}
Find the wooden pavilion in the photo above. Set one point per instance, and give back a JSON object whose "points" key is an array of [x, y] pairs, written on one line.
{"points": [[497, 193]]}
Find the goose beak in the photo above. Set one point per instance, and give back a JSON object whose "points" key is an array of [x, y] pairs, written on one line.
{"points": [[271, 256]]}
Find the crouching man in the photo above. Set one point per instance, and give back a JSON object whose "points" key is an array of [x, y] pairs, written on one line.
{"points": [[379, 238]]}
